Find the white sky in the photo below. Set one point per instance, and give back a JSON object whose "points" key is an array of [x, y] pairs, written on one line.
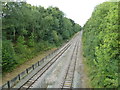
{"points": [[77, 10]]}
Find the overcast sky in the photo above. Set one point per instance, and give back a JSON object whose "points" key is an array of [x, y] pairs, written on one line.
{"points": [[77, 10]]}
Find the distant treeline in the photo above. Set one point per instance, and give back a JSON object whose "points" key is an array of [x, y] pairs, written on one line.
{"points": [[100, 42], [27, 30]]}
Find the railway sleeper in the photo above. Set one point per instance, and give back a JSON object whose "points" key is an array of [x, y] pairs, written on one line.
{"points": [[24, 87], [67, 87], [69, 81], [67, 84]]}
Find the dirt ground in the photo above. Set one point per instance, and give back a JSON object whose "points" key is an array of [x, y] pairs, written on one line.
{"points": [[85, 77], [84, 70], [19, 69]]}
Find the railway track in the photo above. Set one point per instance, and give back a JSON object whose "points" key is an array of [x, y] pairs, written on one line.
{"points": [[35, 77], [69, 74]]}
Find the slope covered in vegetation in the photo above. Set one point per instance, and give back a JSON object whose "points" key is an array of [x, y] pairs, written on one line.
{"points": [[28, 30], [100, 42]]}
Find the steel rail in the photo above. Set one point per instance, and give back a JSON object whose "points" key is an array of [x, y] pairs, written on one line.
{"points": [[68, 79]]}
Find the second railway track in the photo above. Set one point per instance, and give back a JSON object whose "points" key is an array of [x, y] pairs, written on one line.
{"points": [[69, 74]]}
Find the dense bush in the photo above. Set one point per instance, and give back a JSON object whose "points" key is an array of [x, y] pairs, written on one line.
{"points": [[32, 29], [100, 40], [8, 56]]}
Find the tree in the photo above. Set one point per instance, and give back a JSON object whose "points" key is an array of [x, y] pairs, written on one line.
{"points": [[100, 40], [31, 29]]}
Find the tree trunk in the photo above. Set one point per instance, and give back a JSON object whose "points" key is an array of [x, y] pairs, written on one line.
{"points": [[14, 34]]}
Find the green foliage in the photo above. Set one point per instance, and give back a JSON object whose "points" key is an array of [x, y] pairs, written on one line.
{"points": [[8, 56], [100, 40], [21, 47], [32, 29], [55, 36], [43, 45], [31, 42]]}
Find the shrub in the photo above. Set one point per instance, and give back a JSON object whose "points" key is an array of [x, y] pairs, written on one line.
{"points": [[8, 56]]}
